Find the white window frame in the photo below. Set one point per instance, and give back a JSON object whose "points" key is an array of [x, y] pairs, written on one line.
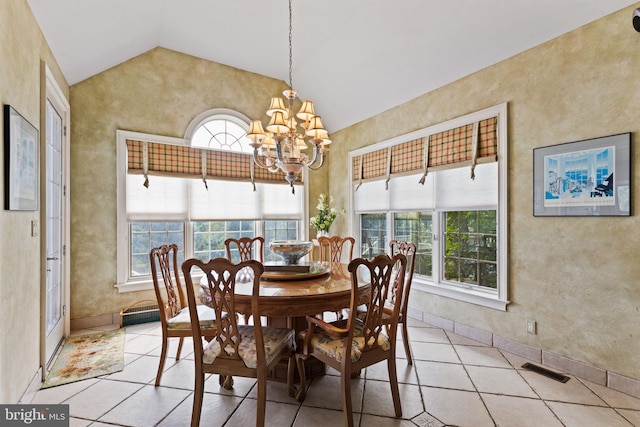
{"points": [[124, 283], [496, 299]]}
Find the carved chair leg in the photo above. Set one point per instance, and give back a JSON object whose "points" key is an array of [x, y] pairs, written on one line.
{"points": [[302, 389]]}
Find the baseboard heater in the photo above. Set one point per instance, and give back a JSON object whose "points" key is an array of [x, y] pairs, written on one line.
{"points": [[546, 372], [140, 312]]}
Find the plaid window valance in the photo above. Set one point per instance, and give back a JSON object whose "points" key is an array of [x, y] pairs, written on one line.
{"points": [[463, 146], [190, 162]]}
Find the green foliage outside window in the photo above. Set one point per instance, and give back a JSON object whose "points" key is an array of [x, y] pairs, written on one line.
{"points": [[470, 247]]}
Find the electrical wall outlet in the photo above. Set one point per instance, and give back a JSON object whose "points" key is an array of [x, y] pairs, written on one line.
{"points": [[531, 327]]}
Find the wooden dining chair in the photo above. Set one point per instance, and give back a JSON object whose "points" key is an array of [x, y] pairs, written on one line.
{"points": [[172, 304], [330, 249], [352, 344], [407, 249], [247, 247], [236, 350]]}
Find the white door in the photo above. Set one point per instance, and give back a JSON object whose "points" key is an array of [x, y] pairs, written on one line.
{"points": [[54, 325], [55, 221]]}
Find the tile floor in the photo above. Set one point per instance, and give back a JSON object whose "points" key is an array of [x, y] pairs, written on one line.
{"points": [[454, 381]]}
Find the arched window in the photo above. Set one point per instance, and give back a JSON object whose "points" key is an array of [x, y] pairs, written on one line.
{"points": [[221, 130]]}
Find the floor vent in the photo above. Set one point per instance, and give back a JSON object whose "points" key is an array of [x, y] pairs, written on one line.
{"points": [[546, 372]]}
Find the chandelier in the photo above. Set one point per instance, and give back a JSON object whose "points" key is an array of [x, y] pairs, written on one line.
{"points": [[281, 146]]}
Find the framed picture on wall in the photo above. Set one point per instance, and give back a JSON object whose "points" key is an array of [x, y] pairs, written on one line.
{"points": [[583, 178], [21, 162]]}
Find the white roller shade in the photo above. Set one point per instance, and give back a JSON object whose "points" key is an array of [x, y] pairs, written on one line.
{"points": [[456, 190], [406, 193], [371, 197], [227, 200], [164, 200]]}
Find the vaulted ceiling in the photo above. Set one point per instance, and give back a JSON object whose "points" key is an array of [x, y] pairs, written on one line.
{"points": [[354, 58]]}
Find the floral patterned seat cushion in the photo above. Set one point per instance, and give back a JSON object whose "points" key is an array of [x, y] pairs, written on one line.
{"points": [[275, 339], [333, 347], [183, 320]]}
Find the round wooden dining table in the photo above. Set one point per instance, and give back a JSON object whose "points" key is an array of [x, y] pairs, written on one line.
{"points": [[286, 294], [286, 297]]}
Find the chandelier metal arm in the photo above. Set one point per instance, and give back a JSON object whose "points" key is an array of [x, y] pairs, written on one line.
{"points": [[269, 164]]}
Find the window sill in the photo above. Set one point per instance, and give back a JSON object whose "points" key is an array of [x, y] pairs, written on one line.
{"points": [[469, 295], [146, 284], [135, 286]]}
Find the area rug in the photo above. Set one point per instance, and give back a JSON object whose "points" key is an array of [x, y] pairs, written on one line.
{"points": [[88, 356]]}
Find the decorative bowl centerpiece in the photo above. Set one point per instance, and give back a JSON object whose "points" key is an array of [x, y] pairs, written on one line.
{"points": [[290, 250]]}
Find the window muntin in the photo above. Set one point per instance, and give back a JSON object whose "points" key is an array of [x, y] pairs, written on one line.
{"points": [[278, 230], [417, 228], [470, 248], [145, 236], [209, 237], [373, 234], [222, 132]]}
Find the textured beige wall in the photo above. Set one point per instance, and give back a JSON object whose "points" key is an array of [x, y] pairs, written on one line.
{"points": [[159, 92], [22, 48], [577, 277]]}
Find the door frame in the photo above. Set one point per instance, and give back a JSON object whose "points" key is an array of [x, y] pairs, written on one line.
{"points": [[50, 90]]}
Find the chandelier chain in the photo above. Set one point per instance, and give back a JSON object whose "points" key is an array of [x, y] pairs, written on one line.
{"points": [[290, 47]]}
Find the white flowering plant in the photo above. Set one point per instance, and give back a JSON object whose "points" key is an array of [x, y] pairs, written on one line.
{"points": [[326, 214]]}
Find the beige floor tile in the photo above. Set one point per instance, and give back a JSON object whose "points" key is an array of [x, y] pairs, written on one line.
{"points": [[460, 340], [517, 361], [510, 411], [445, 375], [482, 356], [144, 328], [405, 372], [325, 392], [632, 416], [434, 352], [417, 323], [455, 407], [77, 422], [187, 348], [316, 417], [100, 398], [179, 375], [378, 401], [142, 344], [142, 370], [424, 335], [276, 392], [438, 390], [62, 392], [276, 414], [614, 398], [378, 421], [573, 391], [216, 409], [580, 415], [499, 381], [146, 407], [241, 386]]}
